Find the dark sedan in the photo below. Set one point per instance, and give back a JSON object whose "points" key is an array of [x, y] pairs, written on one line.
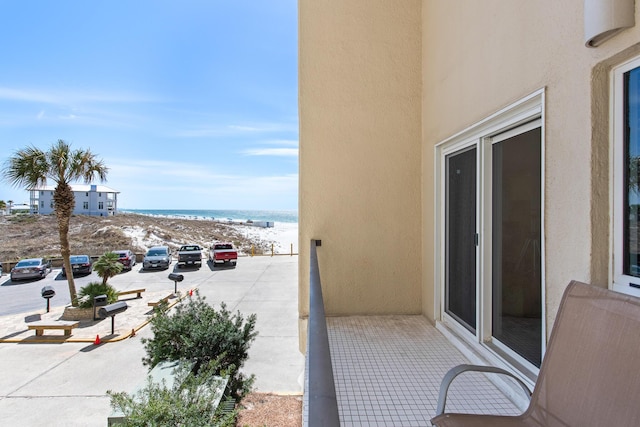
{"points": [[80, 264], [32, 268], [157, 257]]}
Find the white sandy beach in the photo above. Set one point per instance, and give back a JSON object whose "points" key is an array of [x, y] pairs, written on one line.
{"points": [[283, 235]]}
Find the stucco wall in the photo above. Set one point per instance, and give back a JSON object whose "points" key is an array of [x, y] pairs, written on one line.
{"points": [[479, 57], [360, 164]]}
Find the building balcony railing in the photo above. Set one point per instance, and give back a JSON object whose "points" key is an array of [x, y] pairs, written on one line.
{"points": [[384, 370], [321, 407]]}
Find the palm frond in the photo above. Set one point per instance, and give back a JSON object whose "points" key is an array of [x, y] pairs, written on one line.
{"points": [[28, 167]]}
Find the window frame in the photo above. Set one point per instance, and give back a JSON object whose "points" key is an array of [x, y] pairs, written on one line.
{"points": [[619, 281]]}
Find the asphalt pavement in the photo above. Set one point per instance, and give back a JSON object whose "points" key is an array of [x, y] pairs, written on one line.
{"points": [[62, 381]]}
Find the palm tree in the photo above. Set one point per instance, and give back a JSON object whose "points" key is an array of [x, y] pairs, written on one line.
{"points": [[107, 266], [31, 167]]}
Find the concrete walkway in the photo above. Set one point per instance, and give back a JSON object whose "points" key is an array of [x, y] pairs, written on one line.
{"points": [[63, 382]]}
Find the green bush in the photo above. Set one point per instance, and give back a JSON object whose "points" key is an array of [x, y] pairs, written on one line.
{"points": [[188, 403], [93, 289], [107, 266], [200, 334], [21, 218]]}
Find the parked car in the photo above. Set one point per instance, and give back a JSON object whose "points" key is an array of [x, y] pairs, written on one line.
{"points": [[126, 258], [190, 255], [31, 268], [157, 257], [80, 264], [223, 252]]}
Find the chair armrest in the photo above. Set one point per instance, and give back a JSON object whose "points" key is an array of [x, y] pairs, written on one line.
{"points": [[457, 370]]}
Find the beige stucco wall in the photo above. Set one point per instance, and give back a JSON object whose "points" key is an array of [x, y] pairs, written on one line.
{"points": [[479, 57], [382, 82], [360, 162]]}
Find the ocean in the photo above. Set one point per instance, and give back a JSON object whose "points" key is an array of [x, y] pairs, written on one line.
{"points": [[235, 215]]}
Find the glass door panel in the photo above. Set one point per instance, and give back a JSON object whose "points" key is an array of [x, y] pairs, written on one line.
{"points": [[460, 252], [516, 240]]}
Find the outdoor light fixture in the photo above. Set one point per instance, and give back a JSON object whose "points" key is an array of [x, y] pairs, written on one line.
{"points": [[604, 19]]}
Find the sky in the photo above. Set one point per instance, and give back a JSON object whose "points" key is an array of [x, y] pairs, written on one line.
{"points": [[190, 104]]}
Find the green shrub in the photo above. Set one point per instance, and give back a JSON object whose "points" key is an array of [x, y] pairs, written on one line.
{"points": [[93, 289], [200, 334], [107, 266], [188, 403], [21, 218]]}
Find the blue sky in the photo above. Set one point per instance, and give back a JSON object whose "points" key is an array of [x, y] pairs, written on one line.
{"points": [[191, 104]]}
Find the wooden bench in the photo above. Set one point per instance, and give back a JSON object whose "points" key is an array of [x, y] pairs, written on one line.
{"points": [[132, 291], [40, 326], [160, 301]]}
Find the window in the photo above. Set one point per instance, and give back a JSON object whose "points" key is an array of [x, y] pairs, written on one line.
{"points": [[100, 205], [99, 194], [626, 176], [42, 203], [86, 194], [51, 204], [490, 239], [85, 205]]}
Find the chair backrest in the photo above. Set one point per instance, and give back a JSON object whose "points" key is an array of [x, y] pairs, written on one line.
{"points": [[590, 375]]}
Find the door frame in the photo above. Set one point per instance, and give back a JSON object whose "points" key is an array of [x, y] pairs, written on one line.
{"points": [[513, 116]]}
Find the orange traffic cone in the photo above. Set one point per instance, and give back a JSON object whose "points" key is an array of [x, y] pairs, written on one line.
{"points": [[97, 341]]}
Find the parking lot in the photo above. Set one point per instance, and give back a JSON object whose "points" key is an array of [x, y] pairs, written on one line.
{"points": [[65, 383], [24, 295]]}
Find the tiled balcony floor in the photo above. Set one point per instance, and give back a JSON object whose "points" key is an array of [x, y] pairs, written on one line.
{"points": [[387, 372]]}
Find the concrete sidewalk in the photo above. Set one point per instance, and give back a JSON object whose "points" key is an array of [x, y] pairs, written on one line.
{"points": [[58, 380]]}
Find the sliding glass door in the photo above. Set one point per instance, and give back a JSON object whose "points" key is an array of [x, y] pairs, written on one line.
{"points": [[516, 239], [492, 239], [460, 288]]}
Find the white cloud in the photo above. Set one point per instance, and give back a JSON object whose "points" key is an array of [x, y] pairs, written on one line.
{"points": [[286, 142], [70, 96], [68, 117], [287, 152], [26, 95], [237, 130], [176, 185]]}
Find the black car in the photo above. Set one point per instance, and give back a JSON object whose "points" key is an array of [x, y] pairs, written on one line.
{"points": [[80, 264]]}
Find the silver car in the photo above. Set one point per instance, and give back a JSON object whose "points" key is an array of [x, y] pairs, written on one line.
{"points": [[32, 268], [157, 257]]}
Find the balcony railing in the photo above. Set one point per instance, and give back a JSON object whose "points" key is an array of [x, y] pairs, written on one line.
{"points": [[320, 393]]}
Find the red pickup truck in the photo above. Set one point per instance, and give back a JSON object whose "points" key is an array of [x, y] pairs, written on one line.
{"points": [[223, 253]]}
